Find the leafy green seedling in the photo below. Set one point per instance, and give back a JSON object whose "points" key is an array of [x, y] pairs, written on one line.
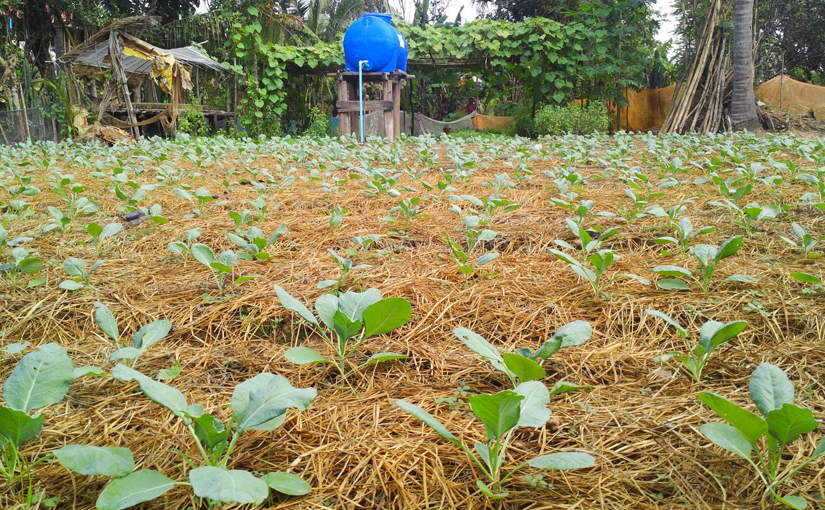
{"points": [[336, 216], [23, 261], [241, 219], [261, 206], [815, 281], [259, 403], [77, 268], [99, 234], [143, 339], [708, 256], [346, 267], [807, 242], [221, 266], [712, 334], [600, 261], [254, 242], [202, 196], [363, 243], [40, 379], [523, 365], [462, 259], [408, 210], [588, 244], [684, 234], [181, 247], [346, 322], [503, 413], [782, 423]]}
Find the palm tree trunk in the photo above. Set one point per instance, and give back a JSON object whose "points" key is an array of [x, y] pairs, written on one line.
{"points": [[743, 104]]}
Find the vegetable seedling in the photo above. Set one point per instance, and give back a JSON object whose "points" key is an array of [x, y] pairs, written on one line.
{"points": [[503, 413], [708, 257], [221, 266], [782, 423], [712, 334], [77, 267], [346, 322], [259, 403]]}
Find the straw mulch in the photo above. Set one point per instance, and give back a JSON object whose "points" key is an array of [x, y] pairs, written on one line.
{"points": [[353, 445]]}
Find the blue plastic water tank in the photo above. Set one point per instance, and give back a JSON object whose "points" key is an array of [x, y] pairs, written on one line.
{"points": [[374, 39]]}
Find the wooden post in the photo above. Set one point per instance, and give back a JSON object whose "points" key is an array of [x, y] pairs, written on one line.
{"points": [[389, 128], [354, 121], [115, 52], [344, 120], [396, 107]]}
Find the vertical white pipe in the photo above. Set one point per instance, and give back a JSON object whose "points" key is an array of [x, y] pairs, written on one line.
{"points": [[361, 95]]}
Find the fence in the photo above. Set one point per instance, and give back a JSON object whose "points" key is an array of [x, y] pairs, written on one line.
{"points": [[18, 126]]}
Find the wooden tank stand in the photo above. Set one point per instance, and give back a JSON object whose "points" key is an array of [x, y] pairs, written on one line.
{"points": [[390, 104]]}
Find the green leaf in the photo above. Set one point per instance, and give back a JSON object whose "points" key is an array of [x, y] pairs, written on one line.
{"points": [[125, 353], [353, 304], [74, 266], [267, 397], [88, 372], [564, 387], [728, 438], [571, 334], [169, 373], [670, 321], [749, 424], [325, 306], [729, 247], [36, 282], [228, 486], [70, 285], [742, 278], [770, 388], [672, 284], [287, 483], [563, 461], [41, 378], [383, 356], [159, 393], [428, 420], [790, 422], [15, 348], [806, 278], [721, 334], [202, 254], [482, 347], [30, 265], [671, 271], [795, 502], [18, 427], [210, 430], [489, 493], [96, 460], [132, 489], [292, 304], [106, 320], [499, 412], [533, 408], [345, 328], [523, 368], [487, 258], [150, 334], [385, 316], [304, 356]]}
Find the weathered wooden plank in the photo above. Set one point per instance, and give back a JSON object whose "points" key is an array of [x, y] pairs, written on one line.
{"points": [[369, 106]]}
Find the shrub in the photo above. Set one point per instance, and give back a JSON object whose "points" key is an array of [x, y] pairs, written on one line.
{"points": [[320, 123], [192, 122], [576, 119]]}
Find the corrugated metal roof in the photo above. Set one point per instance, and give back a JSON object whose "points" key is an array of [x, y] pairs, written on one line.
{"points": [[188, 55]]}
